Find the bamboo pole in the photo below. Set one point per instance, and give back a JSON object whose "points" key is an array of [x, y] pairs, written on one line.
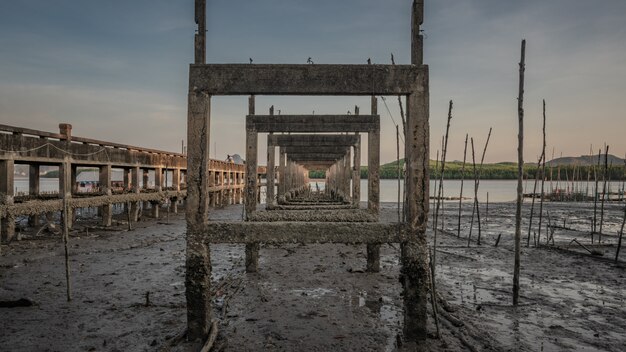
{"points": [[458, 230], [604, 177], [543, 172], [520, 164]]}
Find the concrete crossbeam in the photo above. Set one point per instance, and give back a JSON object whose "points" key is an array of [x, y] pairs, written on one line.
{"points": [[272, 79], [305, 140], [313, 123]]}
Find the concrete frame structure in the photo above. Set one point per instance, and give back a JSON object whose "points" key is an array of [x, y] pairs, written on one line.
{"points": [[300, 149], [206, 80], [37, 148]]}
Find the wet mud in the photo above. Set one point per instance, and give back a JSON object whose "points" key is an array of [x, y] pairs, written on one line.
{"points": [[315, 297]]}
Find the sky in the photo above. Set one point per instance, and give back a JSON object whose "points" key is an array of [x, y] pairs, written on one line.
{"points": [[118, 70]]}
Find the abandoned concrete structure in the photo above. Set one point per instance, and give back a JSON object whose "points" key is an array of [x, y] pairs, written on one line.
{"points": [[69, 153], [290, 226]]}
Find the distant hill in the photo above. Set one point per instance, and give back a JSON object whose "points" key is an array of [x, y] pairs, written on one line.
{"points": [[585, 160]]}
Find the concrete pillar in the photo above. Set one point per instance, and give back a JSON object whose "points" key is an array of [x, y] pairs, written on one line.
{"points": [[33, 190], [7, 192], [198, 259], [373, 187], [281, 172], [105, 188], [145, 179], [373, 177], [356, 175], [414, 253], [67, 173], [271, 156], [158, 186], [135, 173], [176, 187], [251, 163]]}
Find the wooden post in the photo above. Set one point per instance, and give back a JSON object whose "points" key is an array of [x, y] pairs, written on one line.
{"points": [[458, 231], [543, 173], [520, 170]]}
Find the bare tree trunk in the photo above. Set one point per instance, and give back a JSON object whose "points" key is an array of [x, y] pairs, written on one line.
{"points": [[520, 164], [458, 231]]}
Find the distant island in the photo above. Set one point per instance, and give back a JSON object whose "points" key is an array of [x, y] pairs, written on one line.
{"points": [[564, 168]]}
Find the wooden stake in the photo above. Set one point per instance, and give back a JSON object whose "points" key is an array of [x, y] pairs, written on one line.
{"points": [[595, 196], [532, 205], [520, 164], [604, 177], [458, 231], [621, 234], [398, 170], [543, 171]]}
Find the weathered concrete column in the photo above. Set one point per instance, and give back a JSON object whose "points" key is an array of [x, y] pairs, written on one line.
{"points": [[251, 162], [145, 180], [414, 253], [252, 249], [134, 206], [281, 172], [176, 187], [198, 259], [66, 186], [356, 174], [373, 185], [105, 187], [212, 183], [7, 192], [373, 176], [158, 186], [271, 156], [33, 190]]}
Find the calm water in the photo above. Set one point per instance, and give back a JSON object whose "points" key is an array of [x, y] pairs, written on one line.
{"points": [[499, 190]]}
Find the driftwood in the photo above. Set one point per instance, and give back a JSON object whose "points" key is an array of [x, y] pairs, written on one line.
{"points": [[592, 252], [211, 339]]}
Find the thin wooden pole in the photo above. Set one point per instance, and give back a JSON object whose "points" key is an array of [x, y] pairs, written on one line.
{"points": [[520, 164], [458, 230], [440, 192], [532, 205], [621, 234], [595, 196], [469, 236], [480, 171], [543, 171], [604, 177], [435, 195], [398, 170]]}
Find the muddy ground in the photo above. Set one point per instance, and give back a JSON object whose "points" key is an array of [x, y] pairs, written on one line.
{"points": [[316, 297]]}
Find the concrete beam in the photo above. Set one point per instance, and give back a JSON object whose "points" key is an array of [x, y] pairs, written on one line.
{"points": [[314, 149], [313, 123], [268, 79], [304, 140], [299, 232]]}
